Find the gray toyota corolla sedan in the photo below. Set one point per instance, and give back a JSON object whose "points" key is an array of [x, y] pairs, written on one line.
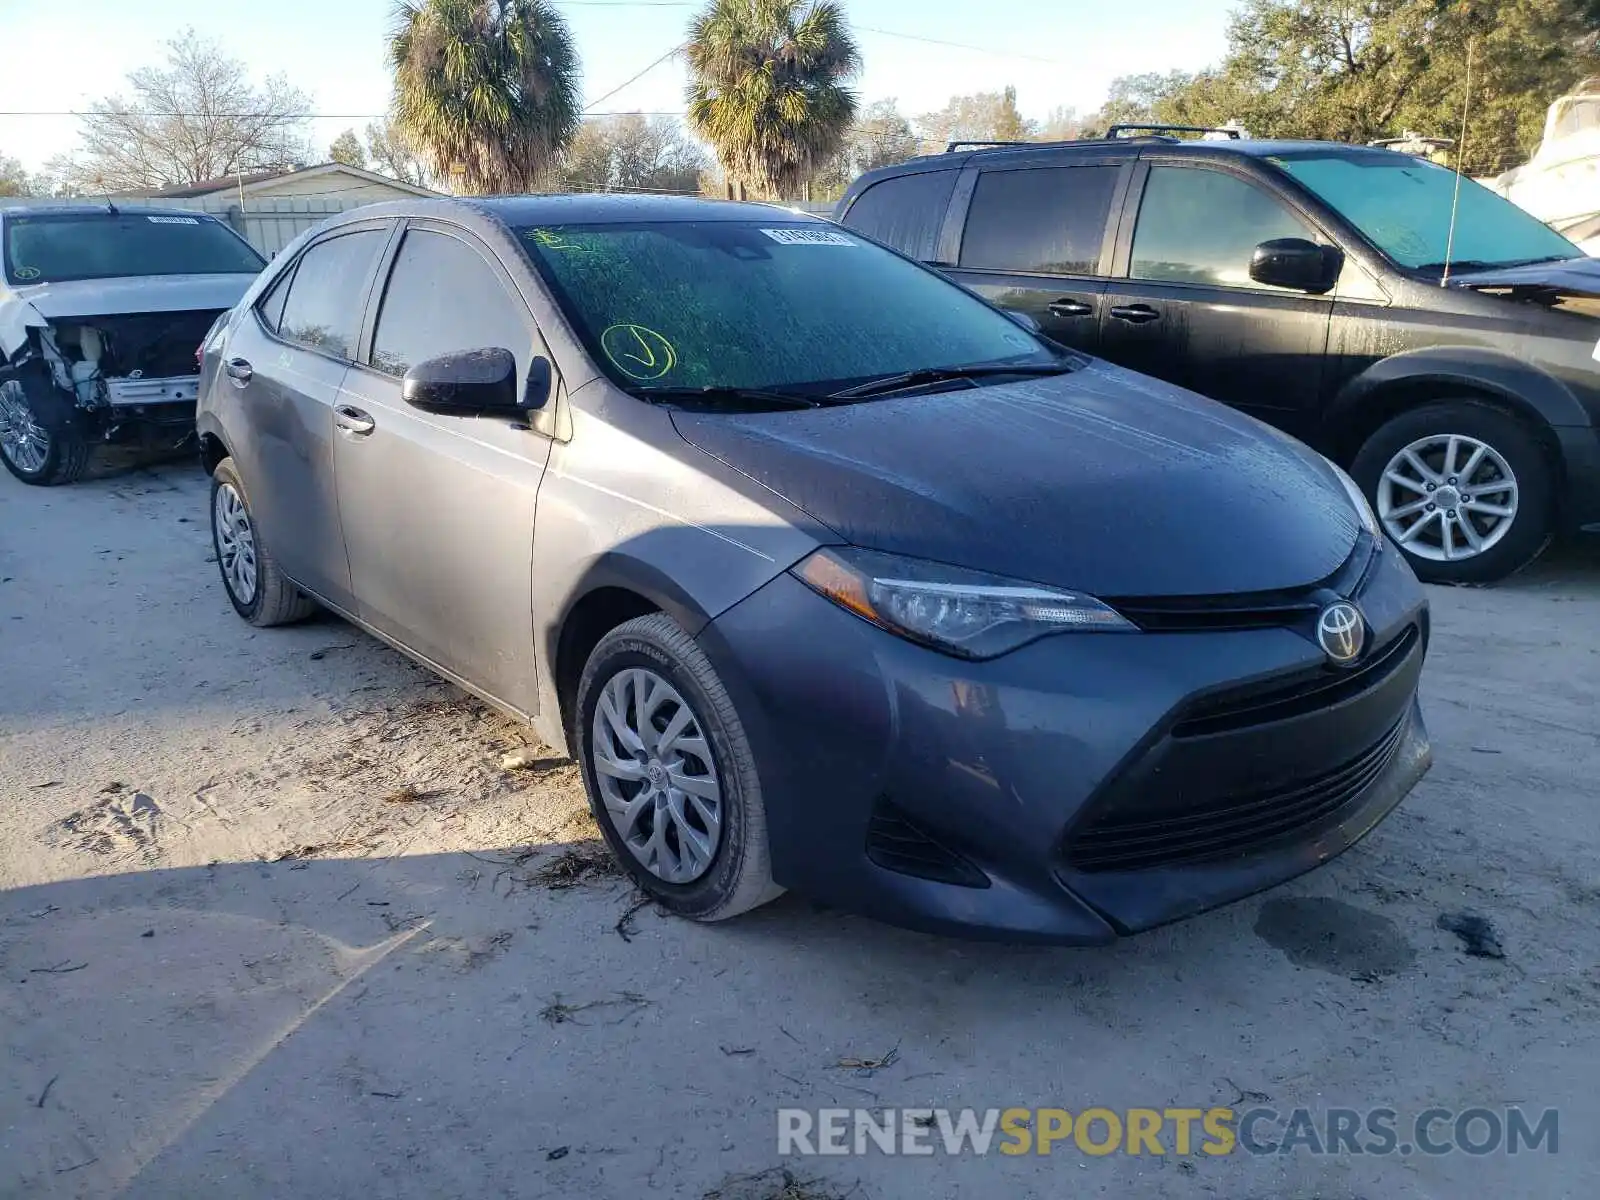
{"points": [[831, 576]]}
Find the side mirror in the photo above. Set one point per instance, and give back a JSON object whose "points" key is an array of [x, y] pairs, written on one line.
{"points": [[1027, 320], [466, 381], [1296, 263]]}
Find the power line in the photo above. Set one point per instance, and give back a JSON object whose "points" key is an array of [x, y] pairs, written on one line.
{"points": [[632, 79], [915, 37]]}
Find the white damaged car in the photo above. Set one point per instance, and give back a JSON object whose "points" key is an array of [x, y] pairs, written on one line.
{"points": [[102, 311]]}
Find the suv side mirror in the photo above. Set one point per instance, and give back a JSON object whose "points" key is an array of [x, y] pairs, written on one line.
{"points": [[1027, 320], [1296, 263], [466, 381]]}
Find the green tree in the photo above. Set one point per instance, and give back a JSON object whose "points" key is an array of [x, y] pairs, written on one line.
{"points": [[14, 180], [347, 149], [768, 89], [981, 117], [486, 91], [881, 137], [1357, 70]]}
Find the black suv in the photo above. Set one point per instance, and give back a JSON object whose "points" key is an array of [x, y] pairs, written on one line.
{"points": [[1305, 283]]}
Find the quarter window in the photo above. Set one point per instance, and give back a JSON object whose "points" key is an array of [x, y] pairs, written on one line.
{"points": [[1047, 221], [326, 297], [905, 211], [442, 298], [1199, 226]]}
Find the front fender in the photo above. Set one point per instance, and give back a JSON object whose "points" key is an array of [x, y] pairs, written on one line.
{"points": [[1468, 368]]}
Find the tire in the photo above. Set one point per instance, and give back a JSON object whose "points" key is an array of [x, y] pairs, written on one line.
{"points": [[737, 873], [262, 594], [35, 416], [1513, 472]]}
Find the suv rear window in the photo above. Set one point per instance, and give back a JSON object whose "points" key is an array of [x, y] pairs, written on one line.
{"points": [[905, 211], [1045, 221], [51, 248]]}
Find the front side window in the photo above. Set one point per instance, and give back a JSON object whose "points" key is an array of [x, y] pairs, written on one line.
{"points": [[59, 248], [1403, 205], [442, 297], [905, 211], [770, 305], [1046, 221], [323, 309], [1200, 226]]}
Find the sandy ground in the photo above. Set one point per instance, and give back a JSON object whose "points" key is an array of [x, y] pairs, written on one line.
{"points": [[274, 923]]}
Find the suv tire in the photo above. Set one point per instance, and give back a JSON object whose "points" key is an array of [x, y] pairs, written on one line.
{"points": [[258, 590], [35, 409], [653, 659], [1497, 465]]}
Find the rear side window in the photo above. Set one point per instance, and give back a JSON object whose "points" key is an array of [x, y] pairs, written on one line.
{"points": [[323, 308], [1048, 221], [905, 211], [271, 307], [1199, 226], [442, 298]]}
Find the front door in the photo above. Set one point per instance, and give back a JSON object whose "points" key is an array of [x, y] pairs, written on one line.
{"points": [[438, 508], [286, 362], [1186, 310], [1034, 241]]}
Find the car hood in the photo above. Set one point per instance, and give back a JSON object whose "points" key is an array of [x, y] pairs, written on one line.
{"points": [[1102, 480], [142, 294], [1544, 282]]}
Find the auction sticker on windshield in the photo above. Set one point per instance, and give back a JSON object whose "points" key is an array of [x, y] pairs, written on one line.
{"points": [[807, 237], [173, 220]]}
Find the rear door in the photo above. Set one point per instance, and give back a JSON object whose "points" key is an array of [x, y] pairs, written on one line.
{"points": [[438, 508], [285, 363], [1184, 307], [1037, 238]]}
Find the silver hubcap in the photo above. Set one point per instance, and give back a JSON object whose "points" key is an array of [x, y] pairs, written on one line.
{"points": [[1448, 497], [236, 543], [23, 442], [656, 776]]}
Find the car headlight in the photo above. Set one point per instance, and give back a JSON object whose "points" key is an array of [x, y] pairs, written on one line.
{"points": [[1369, 519], [967, 613]]}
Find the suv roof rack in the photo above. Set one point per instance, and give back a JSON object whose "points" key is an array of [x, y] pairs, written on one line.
{"points": [[957, 147], [1119, 131]]}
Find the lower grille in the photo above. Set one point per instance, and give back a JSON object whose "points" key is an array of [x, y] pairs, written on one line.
{"points": [[1227, 827], [896, 844]]}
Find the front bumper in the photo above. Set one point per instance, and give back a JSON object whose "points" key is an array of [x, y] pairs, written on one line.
{"points": [[1080, 788]]}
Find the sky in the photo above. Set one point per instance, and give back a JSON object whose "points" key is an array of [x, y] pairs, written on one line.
{"points": [[1055, 52]]}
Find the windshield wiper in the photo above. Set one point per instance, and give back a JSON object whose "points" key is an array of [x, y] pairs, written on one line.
{"points": [[927, 375], [1478, 264], [716, 395]]}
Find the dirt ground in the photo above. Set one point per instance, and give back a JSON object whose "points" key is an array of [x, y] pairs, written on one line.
{"points": [[275, 923]]}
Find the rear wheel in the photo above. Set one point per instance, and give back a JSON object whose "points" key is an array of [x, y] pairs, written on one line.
{"points": [[259, 591], [1462, 488], [42, 436]]}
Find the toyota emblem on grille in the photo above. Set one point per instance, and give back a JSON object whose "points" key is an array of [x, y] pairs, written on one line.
{"points": [[1341, 632]]}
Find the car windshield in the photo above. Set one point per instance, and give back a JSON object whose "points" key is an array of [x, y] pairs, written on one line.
{"points": [[1403, 205], [52, 248], [769, 305]]}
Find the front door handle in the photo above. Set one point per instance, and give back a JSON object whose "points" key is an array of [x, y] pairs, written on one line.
{"points": [[239, 371], [1070, 308], [1135, 314], [353, 420]]}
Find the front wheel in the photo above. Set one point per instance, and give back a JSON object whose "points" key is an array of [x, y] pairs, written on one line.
{"points": [[670, 774], [42, 437], [1464, 489]]}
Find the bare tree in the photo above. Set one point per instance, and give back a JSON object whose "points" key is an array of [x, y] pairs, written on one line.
{"points": [[346, 149], [633, 154], [14, 179], [197, 117], [391, 155], [983, 116]]}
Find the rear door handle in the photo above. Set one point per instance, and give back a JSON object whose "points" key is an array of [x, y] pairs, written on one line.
{"points": [[239, 371], [1135, 314], [1070, 308], [353, 420]]}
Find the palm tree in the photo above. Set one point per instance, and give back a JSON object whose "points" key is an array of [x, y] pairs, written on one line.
{"points": [[485, 90], [768, 88]]}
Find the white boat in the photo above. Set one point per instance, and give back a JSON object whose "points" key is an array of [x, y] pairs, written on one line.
{"points": [[1560, 184]]}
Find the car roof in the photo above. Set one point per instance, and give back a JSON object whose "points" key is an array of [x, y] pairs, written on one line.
{"points": [[577, 209], [1248, 147], [98, 210]]}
